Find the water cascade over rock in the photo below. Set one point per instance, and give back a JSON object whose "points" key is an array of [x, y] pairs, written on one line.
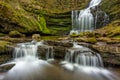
{"points": [[83, 56], [82, 62], [49, 53], [27, 64], [86, 19], [81, 59]]}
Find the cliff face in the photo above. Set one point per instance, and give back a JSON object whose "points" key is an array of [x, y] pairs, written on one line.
{"points": [[111, 7], [30, 16], [44, 16], [13, 16]]}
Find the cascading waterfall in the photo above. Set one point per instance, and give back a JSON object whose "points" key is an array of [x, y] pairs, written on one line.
{"points": [[83, 56], [50, 53], [84, 21], [27, 64], [81, 59]]}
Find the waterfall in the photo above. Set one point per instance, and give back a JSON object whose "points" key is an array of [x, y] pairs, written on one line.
{"points": [[26, 49], [27, 64], [80, 59], [83, 62], [84, 21], [50, 53], [83, 56]]}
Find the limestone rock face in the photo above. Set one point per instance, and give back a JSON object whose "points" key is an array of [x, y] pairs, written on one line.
{"points": [[111, 8], [36, 16], [109, 52]]}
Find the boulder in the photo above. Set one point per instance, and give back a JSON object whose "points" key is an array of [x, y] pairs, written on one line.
{"points": [[60, 43], [36, 37]]}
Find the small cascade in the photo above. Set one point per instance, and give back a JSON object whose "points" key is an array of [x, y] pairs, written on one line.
{"points": [[83, 56], [85, 62], [27, 64], [85, 20], [50, 53], [26, 49]]}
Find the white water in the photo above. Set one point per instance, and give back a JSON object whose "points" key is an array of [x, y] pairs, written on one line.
{"points": [[84, 20], [26, 49], [27, 65], [50, 53], [83, 56], [84, 62]]}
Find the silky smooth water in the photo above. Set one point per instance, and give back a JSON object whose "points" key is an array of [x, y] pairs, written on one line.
{"points": [[84, 20], [29, 67]]}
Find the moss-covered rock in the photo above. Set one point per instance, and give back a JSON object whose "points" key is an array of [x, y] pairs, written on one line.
{"points": [[111, 30], [16, 34], [87, 40], [3, 46], [111, 8], [14, 17], [36, 37], [1, 34]]}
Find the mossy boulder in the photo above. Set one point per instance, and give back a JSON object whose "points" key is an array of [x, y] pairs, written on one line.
{"points": [[36, 37], [16, 34]]}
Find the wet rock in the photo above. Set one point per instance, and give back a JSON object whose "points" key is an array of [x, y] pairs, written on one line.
{"points": [[58, 51], [16, 34], [60, 43], [15, 40], [87, 40], [6, 67], [109, 53], [42, 51]]}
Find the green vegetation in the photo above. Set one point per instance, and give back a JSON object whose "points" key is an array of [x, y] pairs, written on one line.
{"points": [[16, 34], [22, 20], [111, 8], [3, 46]]}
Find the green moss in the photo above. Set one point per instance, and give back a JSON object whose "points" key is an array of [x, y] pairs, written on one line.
{"points": [[88, 40], [42, 25], [111, 8], [3, 46], [27, 22], [118, 36], [16, 34], [91, 40], [86, 34], [1, 34], [74, 35]]}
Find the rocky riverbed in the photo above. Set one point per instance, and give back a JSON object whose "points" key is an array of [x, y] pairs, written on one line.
{"points": [[109, 52]]}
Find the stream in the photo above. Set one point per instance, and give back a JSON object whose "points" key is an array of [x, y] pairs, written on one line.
{"points": [[80, 63]]}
